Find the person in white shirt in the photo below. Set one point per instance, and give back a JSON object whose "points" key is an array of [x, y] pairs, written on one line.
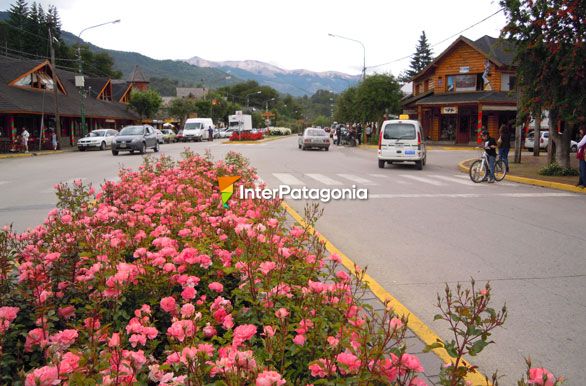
{"points": [[581, 162], [24, 137]]}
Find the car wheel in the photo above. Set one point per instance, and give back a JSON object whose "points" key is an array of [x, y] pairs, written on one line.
{"points": [[103, 146], [114, 152], [303, 148], [419, 165], [81, 148], [156, 149], [131, 151], [381, 164], [143, 148]]}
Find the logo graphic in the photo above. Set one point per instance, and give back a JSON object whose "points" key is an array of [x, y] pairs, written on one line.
{"points": [[226, 184]]}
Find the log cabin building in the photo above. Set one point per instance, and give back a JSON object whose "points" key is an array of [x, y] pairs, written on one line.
{"points": [[470, 85], [27, 100]]}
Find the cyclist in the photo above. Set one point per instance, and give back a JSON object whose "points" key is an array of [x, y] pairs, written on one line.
{"points": [[490, 149]]}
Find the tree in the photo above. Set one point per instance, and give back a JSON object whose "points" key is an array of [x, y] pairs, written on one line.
{"points": [[550, 37], [18, 20], [181, 108], [420, 60], [145, 103]]}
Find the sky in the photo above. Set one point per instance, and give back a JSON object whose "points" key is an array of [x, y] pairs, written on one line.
{"points": [[285, 33]]}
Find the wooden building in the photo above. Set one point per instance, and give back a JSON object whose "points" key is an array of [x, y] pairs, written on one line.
{"points": [[27, 99], [468, 86]]}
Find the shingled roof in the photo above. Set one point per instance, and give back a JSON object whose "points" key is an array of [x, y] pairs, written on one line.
{"points": [[36, 101]]}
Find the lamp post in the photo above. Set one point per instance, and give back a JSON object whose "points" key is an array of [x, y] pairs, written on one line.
{"points": [[267, 104], [363, 52], [248, 98], [80, 83]]}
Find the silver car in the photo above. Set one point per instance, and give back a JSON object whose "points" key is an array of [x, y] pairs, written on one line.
{"points": [[314, 137]]}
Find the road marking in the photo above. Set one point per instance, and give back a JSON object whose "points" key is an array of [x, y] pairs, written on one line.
{"points": [[357, 179], [5, 182], [423, 179], [288, 179], [323, 179], [379, 175], [426, 334], [470, 195], [456, 180]]}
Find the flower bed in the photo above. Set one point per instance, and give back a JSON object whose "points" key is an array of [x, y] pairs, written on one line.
{"points": [[279, 131], [153, 281], [246, 136]]}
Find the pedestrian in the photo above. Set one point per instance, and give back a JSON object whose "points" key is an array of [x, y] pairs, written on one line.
{"points": [[490, 149], [338, 134], [359, 133], [54, 139], [210, 133], [24, 136], [580, 155], [368, 132], [504, 144]]}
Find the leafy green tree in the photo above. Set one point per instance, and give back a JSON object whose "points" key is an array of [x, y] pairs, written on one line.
{"points": [[322, 121], [423, 56], [145, 103], [181, 109], [550, 38]]}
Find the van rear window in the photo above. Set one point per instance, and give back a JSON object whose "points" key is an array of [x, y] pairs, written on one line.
{"points": [[399, 131]]}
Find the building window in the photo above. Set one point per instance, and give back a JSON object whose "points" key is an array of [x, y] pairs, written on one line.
{"points": [[508, 82], [462, 83], [39, 79]]}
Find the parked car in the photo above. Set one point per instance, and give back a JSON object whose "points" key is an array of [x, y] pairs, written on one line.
{"points": [[135, 138], [226, 133], [160, 136], [543, 140], [179, 137], [99, 139], [169, 135], [401, 140], [314, 137]]}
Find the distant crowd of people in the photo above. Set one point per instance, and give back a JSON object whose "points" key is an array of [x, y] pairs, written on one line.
{"points": [[352, 133]]}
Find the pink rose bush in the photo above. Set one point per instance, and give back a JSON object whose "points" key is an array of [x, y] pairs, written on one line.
{"points": [[153, 281]]}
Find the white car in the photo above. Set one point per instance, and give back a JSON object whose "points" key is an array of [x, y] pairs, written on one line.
{"points": [[160, 136], [401, 140], [98, 139], [226, 133], [313, 137], [543, 140]]}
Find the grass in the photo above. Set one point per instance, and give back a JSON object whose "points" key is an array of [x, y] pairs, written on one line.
{"points": [[530, 166]]}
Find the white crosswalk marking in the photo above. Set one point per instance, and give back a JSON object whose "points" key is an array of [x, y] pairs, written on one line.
{"points": [[422, 179], [456, 180], [5, 182], [359, 180], [288, 179], [324, 179], [379, 175]]}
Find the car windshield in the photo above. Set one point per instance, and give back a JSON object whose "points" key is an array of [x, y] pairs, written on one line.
{"points": [[315, 133], [234, 124], [193, 125], [132, 130], [98, 133], [399, 131]]}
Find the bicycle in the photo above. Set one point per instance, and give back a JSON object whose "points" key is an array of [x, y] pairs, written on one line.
{"points": [[479, 169]]}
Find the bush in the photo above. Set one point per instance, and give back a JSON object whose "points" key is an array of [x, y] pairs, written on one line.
{"points": [[554, 169], [154, 281], [279, 131], [246, 136]]}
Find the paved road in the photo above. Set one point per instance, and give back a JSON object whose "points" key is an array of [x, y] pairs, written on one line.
{"points": [[418, 230]]}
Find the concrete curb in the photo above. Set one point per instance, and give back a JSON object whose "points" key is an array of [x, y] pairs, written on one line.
{"points": [[529, 181], [32, 154]]}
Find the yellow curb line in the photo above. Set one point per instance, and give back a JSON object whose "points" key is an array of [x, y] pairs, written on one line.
{"points": [[22, 155], [255, 142], [415, 324], [530, 181]]}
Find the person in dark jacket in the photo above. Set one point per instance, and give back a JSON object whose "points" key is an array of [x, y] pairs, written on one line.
{"points": [[504, 144], [338, 134], [490, 149]]}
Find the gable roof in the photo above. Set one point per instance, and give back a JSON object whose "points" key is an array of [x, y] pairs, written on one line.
{"points": [[191, 92], [500, 52], [15, 69], [30, 101]]}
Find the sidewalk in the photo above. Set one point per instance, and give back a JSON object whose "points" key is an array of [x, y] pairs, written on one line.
{"points": [[33, 153]]}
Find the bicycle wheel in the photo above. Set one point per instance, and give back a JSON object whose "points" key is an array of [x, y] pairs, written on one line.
{"points": [[478, 171], [500, 171]]}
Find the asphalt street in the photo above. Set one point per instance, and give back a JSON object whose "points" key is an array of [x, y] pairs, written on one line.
{"points": [[417, 231]]}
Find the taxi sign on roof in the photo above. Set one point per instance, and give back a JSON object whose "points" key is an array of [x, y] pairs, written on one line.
{"points": [[404, 116]]}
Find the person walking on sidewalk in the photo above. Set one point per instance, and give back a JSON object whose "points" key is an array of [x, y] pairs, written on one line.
{"points": [[490, 149], [24, 136], [580, 156], [54, 139], [504, 144]]}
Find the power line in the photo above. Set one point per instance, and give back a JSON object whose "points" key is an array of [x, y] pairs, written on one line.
{"points": [[442, 41]]}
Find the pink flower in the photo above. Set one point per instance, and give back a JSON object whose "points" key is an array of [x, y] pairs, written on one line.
{"points": [[333, 342], [64, 338], [45, 376], [215, 286], [243, 333], [412, 363], [540, 376], [282, 313], [66, 312], [396, 323], [269, 378], [299, 340], [69, 363], [268, 331], [417, 382], [188, 293], [114, 340], [209, 331], [66, 219], [348, 361], [187, 310], [7, 316], [168, 304], [266, 267]]}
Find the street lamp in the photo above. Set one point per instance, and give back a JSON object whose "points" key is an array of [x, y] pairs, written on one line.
{"points": [[248, 99], [80, 83], [363, 52], [267, 104]]}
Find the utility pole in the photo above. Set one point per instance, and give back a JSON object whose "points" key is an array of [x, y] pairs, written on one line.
{"points": [[55, 90]]}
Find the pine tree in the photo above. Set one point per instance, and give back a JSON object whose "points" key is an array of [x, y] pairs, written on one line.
{"points": [[18, 23], [421, 58]]}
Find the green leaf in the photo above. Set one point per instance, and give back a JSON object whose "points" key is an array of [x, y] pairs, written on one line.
{"points": [[477, 347]]}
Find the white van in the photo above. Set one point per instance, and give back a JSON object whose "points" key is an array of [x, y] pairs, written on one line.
{"points": [[401, 140], [197, 128]]}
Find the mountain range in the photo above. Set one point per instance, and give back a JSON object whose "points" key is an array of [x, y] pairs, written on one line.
{"points": [[198, 71]]}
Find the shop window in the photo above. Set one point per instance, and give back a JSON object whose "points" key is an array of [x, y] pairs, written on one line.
{"points": [[462, 83]]}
